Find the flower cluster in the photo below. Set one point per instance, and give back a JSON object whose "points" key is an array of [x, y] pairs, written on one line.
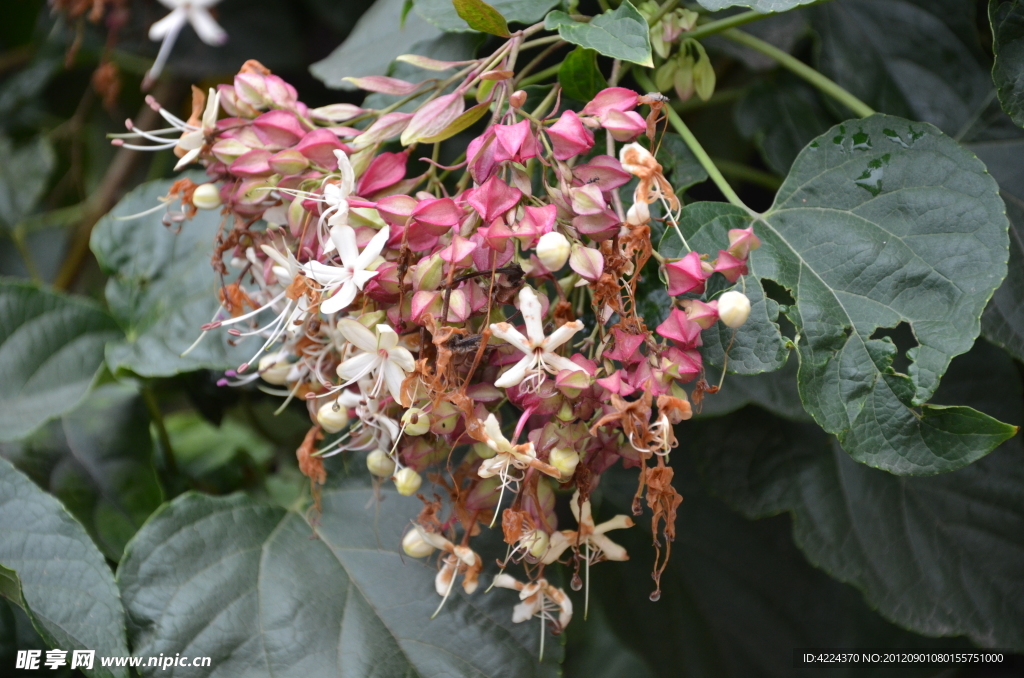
{"points": [[475, 324]]}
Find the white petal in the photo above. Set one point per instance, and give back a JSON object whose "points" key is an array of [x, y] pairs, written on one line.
{"points": [[617, 523], [387, 338], [442, 582], [171, 23], [372, 249], [507, 581], [344, 238], [358, 366], [212, 109], [187, 159], [360, 278], [393, 377], [498, 442], [562, 335], [339, 216], [494, 466], [612, 551], [206, 27], [341, 299], [531, 309], [556, 547], [358, 335], [400, 356], [513, 336], [524, 611], [324, 274], [558, 363], [348, 175], [516, 373]]}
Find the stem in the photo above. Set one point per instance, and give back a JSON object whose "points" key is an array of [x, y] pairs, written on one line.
{"points": [[528, 68], [153, 407], [801, 69], [713, 27], [538, 76], [665, 9], [749, 174]]}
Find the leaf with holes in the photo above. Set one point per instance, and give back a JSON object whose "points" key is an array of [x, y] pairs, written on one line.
{"points": [[66, 586], [162, 289], [884, 222], [939, 555], [264, 593], [621, 33], [51, 347]]}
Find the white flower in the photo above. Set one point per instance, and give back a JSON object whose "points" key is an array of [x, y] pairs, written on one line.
{"points": [[539, 599], [167, 29], [349, 278], [192, 141], [378, 353], [508, 455], [461, 560], [592, 538], [336, 195], [538, 350]]}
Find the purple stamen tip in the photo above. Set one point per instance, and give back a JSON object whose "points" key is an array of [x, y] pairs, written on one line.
{"points": [[222, 382]]}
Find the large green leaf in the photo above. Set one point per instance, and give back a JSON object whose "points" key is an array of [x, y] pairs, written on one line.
{"points": [[442, 13], [782, 115], [162, 288], [621, 33], [51, 347], [940, 555], [765, 6], [919, 59], [737, 596], [579, 75], [377, 38], [884, 222], [98, 460], [24, 174], [1007, 20], [265, 594], [66, 586]]}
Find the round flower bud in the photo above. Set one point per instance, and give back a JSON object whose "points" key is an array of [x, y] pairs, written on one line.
{"points": [[274, 369], [638, 214], [415, 421], [536, 543], [380, 464], [332, 417], [553, 250], [564, 460], [206, 197], [407, 482], [414, 546], [517, 99], [733, 308]]}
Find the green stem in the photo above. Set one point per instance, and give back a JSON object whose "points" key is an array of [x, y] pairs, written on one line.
{"points": [[714, 27], [665, 9], [539, 76], [149, 398], [749, 174], [801, 69]]}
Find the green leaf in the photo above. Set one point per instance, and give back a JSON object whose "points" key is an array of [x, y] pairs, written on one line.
{"points": [[98, 460], [200, 447], [918, 59], [938, 555], [680, 164], [51, 347], [480, 16], [377, 38], [579, 75], [442, 13], [162, 289], [265, 594], [764, 6], [758, 345], [621, 33], [774, 391], [65, 583], [865, 234], [737, 595], [1007, 20], [24, 175], [781, 115]]}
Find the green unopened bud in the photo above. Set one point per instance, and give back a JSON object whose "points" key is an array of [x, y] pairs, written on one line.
{"points": [[415, 421], [206, 197], [414, 546], [565, 412], [703, 74], [380, 464], [564, 460], [428, 274], [483, 450], [536, 543], [332, 417], [665, 74], [407, 482]]}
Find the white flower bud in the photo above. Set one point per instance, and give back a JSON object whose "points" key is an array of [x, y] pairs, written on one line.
{"points": [[536, 543], [414, 546], [274, 369], [564, 460], [415, 421], [733, 308], [332, 417], [553, 250], [380, 464], [407, 482], [206, 197], [638, 213]]}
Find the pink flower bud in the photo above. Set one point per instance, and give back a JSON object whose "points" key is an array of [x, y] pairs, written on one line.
{"points": [[336, 113], [742, 242], [280, 93], [515, 142], [228, 150], [481, 155], [729, 266], [254, 163], [386, 127], [251, 89], [397, 210], [604, 171], [493, 198], [433, 117], [599, 226], [617, 383], [437, 215], [517, 99], [484, 496], [703, 314], [536, 222], [319, 146], [458, 307], [627, 347], [384, 85], [288, 163], [572, 382], [569, 137], [686, 275], [459, 251], [586, 261], [587, 200], [612, 99], [278, 129], [624, 126], [681, 329], [387, 169], [424, 302]]}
